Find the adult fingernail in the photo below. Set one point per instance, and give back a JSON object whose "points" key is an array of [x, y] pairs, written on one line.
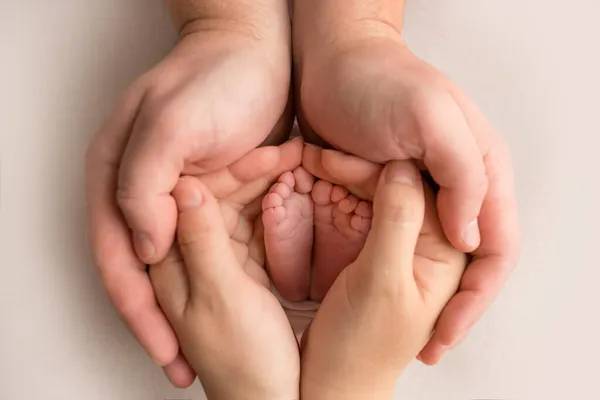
{"points": [[189, 199], [143, 246], [471, 235], [400, 172]]}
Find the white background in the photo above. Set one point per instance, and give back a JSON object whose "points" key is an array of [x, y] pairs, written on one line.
{"points": [[533, 67]]}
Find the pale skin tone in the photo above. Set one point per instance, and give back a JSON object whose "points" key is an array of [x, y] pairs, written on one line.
{"points": [[224, 89], [221, 91], [399, 107], [381, 308], [249, 351]]}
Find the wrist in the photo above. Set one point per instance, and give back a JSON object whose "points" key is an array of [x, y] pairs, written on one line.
{"points": [[320, 24], [242, 389], [258, 19], [314, 390]]}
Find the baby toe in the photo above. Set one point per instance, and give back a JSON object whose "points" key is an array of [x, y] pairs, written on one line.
{"points": [[338, 193], [321, 193], [287, 178], [364, 209], [272, 200], [273, 216], [304, 180], [281, 189], [361, 224], [348, 204]]}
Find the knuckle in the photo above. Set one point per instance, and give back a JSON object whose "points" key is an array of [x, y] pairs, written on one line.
{"points": [[405, 210], [166, 119]]}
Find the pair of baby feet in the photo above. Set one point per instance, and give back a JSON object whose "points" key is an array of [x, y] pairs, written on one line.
{"points": [[312, 231]]}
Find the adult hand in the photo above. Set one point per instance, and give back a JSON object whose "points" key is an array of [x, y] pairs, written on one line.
{"points": [[232, 329], [382, 308], [217, 95], [366, 93]]}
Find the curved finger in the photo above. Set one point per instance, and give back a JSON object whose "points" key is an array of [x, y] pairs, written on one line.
{"points": [[203, 238], [492, 262], [151, 165], [123, 275], [180, 373], [398, 212], [226, 181], [455, 161], [253, 174], [170, 283], [360, 176]]}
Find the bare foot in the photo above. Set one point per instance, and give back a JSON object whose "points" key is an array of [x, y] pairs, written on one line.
{"points": [[288, 222], [342, 222]]}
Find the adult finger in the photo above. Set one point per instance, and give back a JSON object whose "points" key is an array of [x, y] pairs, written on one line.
{"points": [[398, 211], [254, 173], [123, 275], [151, 164], [455, 162], [203, 238], [170, 283], [492, 262], [179, 372], [358, 175]]}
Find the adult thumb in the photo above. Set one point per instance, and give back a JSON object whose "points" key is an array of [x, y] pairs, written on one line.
{"points": [[150, 168], [202, 237], [398, 212]]}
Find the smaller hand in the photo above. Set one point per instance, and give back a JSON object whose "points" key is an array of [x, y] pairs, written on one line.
{"points": [[382, 308], [232, 329]]}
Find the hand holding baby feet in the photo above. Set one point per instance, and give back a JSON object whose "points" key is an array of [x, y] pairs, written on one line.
{"points": [[231, 327], [382, 307], [239, 189], [402, 108]]}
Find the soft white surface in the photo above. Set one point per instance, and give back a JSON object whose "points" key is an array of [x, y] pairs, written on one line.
{"points": [[532, 65]]}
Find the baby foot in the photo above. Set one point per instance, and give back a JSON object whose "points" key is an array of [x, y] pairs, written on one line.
{"points": [[288, 222], [342, 222]]}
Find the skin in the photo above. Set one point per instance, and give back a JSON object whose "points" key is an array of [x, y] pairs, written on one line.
{"points": [[401, 108], [380, 310], [225, 88], [213, 286], [222, 91]]}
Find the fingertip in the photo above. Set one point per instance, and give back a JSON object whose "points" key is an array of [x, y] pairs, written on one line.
{"points": [[291, 152], [152, 222], [399, 195], [471, 236], [180, 373], [432, 354], [459, 219], [188, 194], [402, 172], [198, 210], [157, 337], [144, 247], [398, 212]]}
